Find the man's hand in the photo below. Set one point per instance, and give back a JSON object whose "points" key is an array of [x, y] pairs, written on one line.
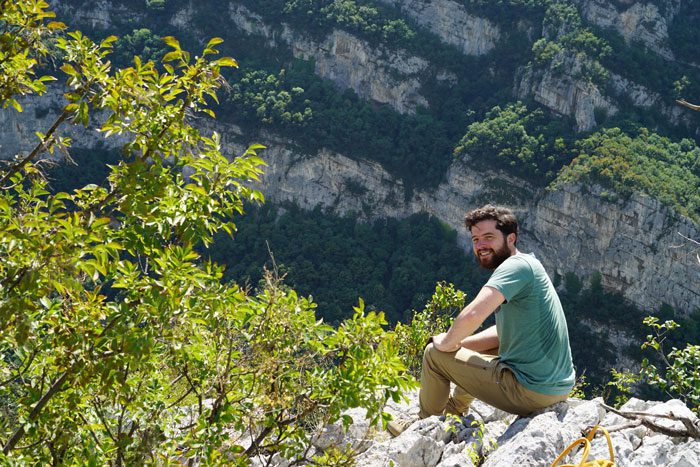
{"points": [[439, 342]]}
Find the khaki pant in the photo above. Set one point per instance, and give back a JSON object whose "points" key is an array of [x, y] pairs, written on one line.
{"points": [[476, 376]]}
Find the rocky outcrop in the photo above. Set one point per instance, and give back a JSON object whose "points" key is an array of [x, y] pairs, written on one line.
{"points": [[636, 21], [374, 73], [98, 15], [492, 438], [452, 23], [644, 98], [560, 88]]}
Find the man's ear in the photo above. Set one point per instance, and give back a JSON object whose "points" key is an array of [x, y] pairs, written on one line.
{"points": [[512, 237]]}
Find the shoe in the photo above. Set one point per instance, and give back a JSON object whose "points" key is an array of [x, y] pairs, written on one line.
{"points": [[400, 424]]}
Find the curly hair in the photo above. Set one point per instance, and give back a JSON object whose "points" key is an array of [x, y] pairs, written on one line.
{"points": [[504, 217]]}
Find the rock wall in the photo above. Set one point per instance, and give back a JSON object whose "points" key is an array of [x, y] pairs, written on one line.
{"points": [[636, 21], [634, 244], [559, 89], [378, 74], [452, 23]]}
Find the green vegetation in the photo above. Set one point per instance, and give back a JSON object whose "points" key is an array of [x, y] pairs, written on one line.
{"points": [[392, 264], [679, 376], [646, 162], [517, 140], [684, 33], [435, 318], [564, 37], [674, 373], [120, 345], [141, 42], [267, 98]]}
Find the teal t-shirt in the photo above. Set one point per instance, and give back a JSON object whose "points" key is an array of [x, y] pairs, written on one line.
{"points": [[534, 339]]}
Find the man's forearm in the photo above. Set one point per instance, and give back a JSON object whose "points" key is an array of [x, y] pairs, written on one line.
{"points": [[469, 320], [482, 341]]}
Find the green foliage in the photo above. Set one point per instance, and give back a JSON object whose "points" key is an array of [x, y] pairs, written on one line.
{"points": [[566, 37], [392, 264], [513, 138], [622, 385], [22, 48], [679, 376], [119, 344], [646, 162], [269, 98], [364, 17], [156, 4], [435, 318], [684, 33], [141, 42]]}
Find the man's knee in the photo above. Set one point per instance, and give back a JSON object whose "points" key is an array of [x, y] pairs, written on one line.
{"points": [[429, 353]]}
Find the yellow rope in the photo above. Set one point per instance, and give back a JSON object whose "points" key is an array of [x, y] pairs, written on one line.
{"points": [[586, 450]]}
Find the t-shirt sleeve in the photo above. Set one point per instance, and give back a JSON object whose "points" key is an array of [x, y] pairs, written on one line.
{"points": [[512, 277]]}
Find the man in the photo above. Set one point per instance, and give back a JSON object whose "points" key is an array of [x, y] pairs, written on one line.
{"points": [[520, 364]]}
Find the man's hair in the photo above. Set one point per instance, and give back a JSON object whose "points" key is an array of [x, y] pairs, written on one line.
{"points": [[505, 220]]}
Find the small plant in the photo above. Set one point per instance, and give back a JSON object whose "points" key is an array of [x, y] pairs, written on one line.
{"points": [[680, 375], [433, 319], [621, 385], [580, 387]]}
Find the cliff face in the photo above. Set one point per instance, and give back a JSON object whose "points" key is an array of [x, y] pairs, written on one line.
{"points": [[452, 23], [378, 74], [558, 88], [395, 77], [635, 244], [636, 21]]}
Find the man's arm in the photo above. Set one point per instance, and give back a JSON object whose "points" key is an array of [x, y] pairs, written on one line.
{"points": [[469, 319], [482, 341]]}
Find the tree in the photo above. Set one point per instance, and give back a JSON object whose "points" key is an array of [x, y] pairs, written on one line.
{"points": [[119, 344]]}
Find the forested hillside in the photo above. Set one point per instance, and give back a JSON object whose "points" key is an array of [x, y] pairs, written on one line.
{"points": [[545, 105]]}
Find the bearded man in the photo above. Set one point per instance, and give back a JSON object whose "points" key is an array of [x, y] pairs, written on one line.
{"points": [[520, 364]]}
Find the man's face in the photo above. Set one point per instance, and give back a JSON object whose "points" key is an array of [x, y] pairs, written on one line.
{"points": [[491, 247]]}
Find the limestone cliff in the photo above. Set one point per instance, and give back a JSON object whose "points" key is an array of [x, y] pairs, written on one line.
{"points": [[559, 88], [636, 21], [452, 23], [394, 77], [375, 73]]}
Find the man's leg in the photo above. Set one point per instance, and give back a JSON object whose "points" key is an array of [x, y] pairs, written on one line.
{"points": [[460, 400], [478, 375]]}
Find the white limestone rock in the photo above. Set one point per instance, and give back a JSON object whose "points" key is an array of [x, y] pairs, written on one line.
{"points": [[531, 442], [378, 74], [639, 22], [560, 89], [453, 24]]}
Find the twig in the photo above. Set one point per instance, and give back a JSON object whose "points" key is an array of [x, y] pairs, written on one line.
{"points": [[692, 427], [685, 103]]}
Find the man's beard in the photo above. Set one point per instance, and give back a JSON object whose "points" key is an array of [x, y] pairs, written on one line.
{"points": [[495, 259]]}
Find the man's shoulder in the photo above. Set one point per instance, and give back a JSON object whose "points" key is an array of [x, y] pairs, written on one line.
{"points": [[520, 261]]}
